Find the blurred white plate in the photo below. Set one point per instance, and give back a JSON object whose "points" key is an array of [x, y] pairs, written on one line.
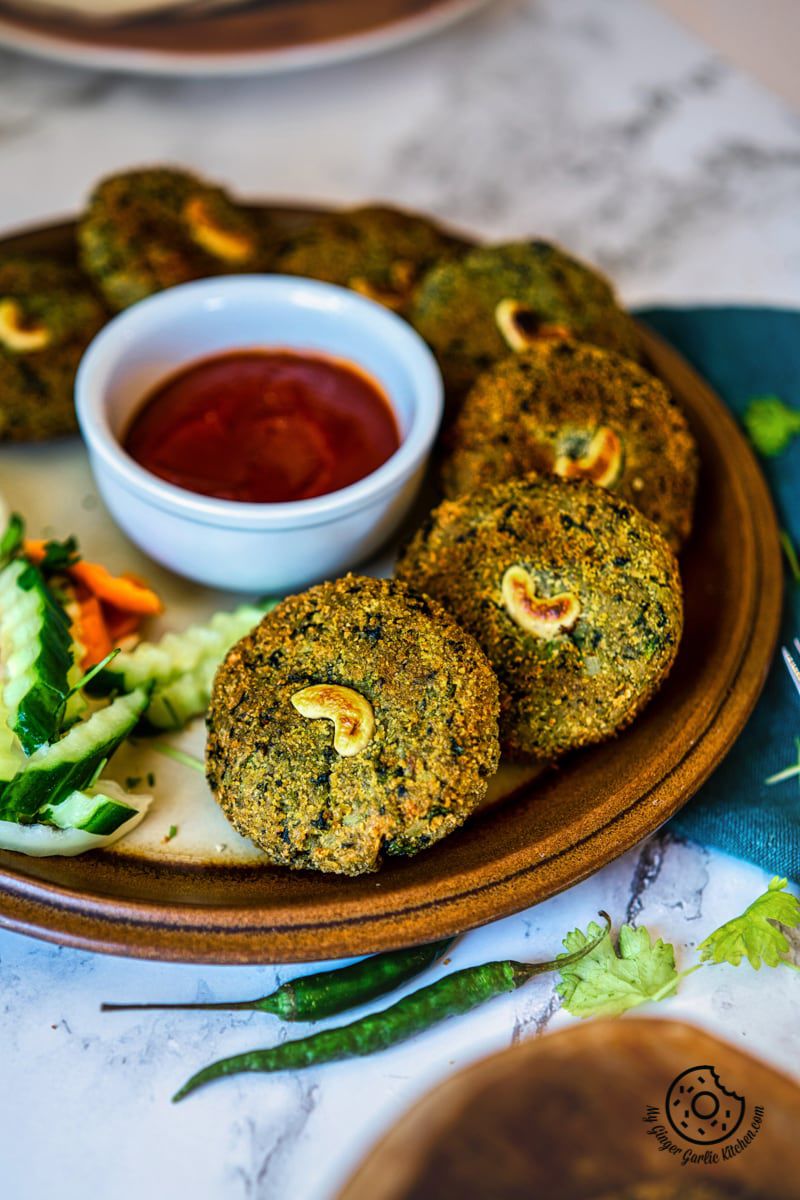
{"points": [[282, 35], [112, 11]]}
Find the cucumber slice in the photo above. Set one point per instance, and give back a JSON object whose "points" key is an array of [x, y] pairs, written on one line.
{"points": [[12, 756], [41, 840], [12, 535], [72, 763], [178, 654], [94, 811], [36, 652], [174, 705]]}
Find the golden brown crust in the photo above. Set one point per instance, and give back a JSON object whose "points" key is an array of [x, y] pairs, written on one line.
{"points": [[55, 306], [461, 308], [377, 251], [152, 228], [542, 410], [571, 539], [423, 769]]}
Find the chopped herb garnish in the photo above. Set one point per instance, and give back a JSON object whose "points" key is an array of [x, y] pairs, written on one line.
{"points": [[172, 831], [789, 772], [151, 779], [58, 556], [132, 781], [791, 555], [180, 756], [771, 424], [753, 935], [90, 674], [607, 981]]}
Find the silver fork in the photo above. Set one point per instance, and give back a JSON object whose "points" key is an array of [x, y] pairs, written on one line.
{"points": [[791, 665], [794, 674]]}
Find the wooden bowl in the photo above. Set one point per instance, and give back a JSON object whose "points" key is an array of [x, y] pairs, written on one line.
{"points": [[545, 837], [580, 1115]]}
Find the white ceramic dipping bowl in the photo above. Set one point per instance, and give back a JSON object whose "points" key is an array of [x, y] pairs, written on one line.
{"points": [[225, 543]]}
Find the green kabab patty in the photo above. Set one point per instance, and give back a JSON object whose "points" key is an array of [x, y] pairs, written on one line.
{"points": [[357, 719], [574, 596], [497, 300], [580, 412], [147, 230], [48, 316], [377, 251]]}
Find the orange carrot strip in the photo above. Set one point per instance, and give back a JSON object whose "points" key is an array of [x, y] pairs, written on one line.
{"points": [[122, 591], [34, 549], [92, 632]]}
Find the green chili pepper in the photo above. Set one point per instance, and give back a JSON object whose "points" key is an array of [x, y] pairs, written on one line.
{"points": [[312, 997], [449, 997]]}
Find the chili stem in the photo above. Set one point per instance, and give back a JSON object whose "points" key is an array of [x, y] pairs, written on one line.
{"points": [[326, 993]]}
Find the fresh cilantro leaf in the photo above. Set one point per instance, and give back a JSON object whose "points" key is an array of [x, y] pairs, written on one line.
{"points": [[771, 424], [607, 983], [59, 555], [752, 935]]}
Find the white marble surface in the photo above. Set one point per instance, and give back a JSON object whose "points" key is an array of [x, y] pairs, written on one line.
{"points": [[594, 121]]}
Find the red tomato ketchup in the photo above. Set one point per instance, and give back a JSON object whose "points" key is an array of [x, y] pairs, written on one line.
{"points": [[264, 427]]}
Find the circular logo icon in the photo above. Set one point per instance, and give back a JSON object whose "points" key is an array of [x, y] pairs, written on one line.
{"points": [[700, 1109]]}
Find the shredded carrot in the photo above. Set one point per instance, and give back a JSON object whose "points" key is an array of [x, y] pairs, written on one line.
{"points": [[122, 591], [34, 549], [91, 631], [120, 624]]}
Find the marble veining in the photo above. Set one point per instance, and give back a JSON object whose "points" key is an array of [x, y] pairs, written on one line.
{"points": [[599, 123], [268, 1137]]}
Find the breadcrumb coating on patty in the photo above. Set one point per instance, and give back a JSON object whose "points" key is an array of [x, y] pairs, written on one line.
{"points": [[550, 408], [465, 309], [425, 765], [574, 596]]}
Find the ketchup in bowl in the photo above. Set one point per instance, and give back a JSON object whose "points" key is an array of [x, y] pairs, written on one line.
{"points": [[264, 427]]}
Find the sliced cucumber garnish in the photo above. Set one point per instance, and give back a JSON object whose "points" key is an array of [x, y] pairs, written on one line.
{"points": [[178, 654], [94, 811], [12, 756], [40, 839], [181, 666], [36, 653], [72, 763]]}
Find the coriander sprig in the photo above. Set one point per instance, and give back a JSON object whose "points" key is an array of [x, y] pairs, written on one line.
{"points": [[754, 935], [771, 424], [610, 980]]}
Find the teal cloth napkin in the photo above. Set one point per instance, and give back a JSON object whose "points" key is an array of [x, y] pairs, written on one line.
{"points": [[743, 353]]}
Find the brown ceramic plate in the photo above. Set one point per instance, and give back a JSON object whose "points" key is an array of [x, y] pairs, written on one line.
{"points": [[279, 35], [543, 838], [580, 1115]]}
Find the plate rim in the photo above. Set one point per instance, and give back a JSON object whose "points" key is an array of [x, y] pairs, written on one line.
{"points": [[24, 37], [188, 932]]}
